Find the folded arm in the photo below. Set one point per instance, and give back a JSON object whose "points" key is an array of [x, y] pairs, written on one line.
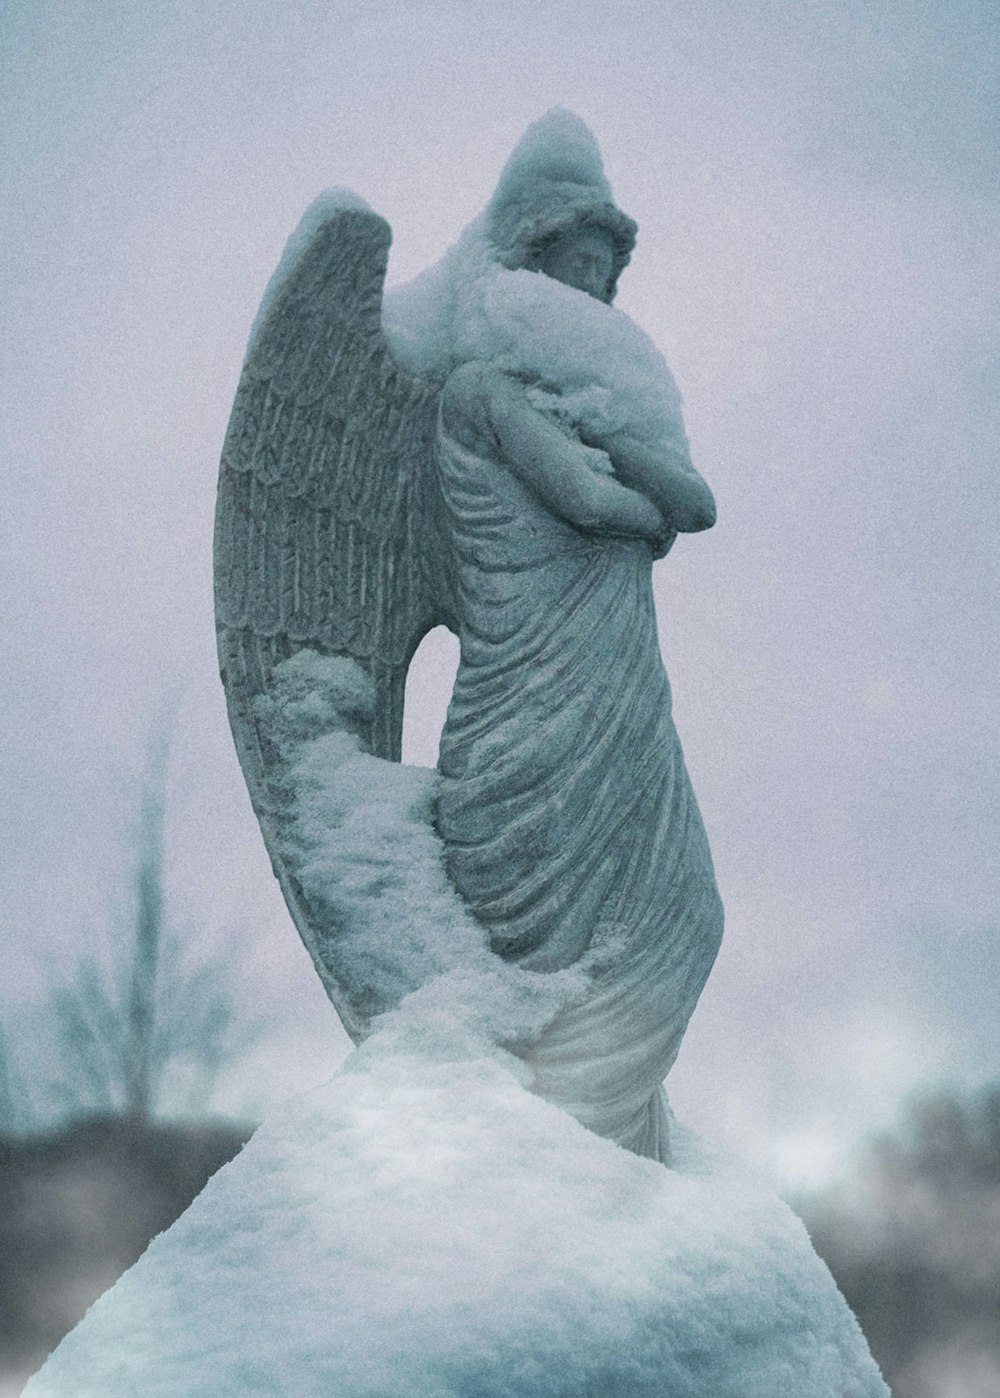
{"points": [[552, 465], [665, 475]]}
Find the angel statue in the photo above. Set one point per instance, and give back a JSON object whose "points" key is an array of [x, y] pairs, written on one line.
{"points": [[496, 448]]}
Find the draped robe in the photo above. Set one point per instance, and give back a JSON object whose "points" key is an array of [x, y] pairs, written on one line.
{"points": [[565, 807]]}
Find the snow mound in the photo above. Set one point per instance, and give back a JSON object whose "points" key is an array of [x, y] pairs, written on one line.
{"points": [[423, 1227]]}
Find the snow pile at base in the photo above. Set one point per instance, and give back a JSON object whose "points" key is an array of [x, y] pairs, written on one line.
{"points": [[423, 1227]]}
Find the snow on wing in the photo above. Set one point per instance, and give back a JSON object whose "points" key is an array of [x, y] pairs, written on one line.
{"points": [[322, 534]]}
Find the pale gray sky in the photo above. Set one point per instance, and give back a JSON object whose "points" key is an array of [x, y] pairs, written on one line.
{"points": [[816, 187]]}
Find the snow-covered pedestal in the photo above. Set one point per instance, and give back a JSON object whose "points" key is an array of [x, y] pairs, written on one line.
{"points": [[423, 1225]]}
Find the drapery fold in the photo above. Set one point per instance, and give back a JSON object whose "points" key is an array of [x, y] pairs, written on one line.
{"points": [[569, 822]]}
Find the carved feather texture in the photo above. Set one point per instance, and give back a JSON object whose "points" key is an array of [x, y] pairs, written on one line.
{"points": [[322, 530]]}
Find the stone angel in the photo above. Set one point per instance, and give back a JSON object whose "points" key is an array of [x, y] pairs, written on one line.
{"points": [[497, 448]]}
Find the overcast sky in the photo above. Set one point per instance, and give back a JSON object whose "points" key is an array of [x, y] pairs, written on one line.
{"points": [[816, 186]]}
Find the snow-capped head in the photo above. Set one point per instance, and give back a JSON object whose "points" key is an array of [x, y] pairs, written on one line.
{"points": [[553, 185], [552, 190]]}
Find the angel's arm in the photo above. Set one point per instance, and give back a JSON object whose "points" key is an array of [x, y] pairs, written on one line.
{"points": [[665, 474], [480, 398]]}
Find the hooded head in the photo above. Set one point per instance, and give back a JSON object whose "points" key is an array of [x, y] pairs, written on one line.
{"points": [[554, 184]]}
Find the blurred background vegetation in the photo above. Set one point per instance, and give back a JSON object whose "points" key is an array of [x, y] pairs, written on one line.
{"points": [[912, 1236], [108, 1127]]}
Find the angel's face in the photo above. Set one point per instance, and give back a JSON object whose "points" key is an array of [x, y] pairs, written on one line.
{"points": [[583, 258]]}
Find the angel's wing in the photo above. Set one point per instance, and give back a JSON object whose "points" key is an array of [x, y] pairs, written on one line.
{"points": [[322, 531]]}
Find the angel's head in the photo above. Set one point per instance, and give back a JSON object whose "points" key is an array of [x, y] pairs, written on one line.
{"points": [[553, 211], [583, 258], [580, 241]]}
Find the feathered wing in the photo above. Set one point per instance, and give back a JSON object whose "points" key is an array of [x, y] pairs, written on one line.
{"points": [[322, 538]]}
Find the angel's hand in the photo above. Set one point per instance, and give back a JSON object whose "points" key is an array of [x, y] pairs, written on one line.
{"points": [[557, 468], [617, 509], [665, 474]]}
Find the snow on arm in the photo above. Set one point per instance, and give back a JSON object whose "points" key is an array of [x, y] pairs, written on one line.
{"points": [[590, 369], [558, 469]]}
